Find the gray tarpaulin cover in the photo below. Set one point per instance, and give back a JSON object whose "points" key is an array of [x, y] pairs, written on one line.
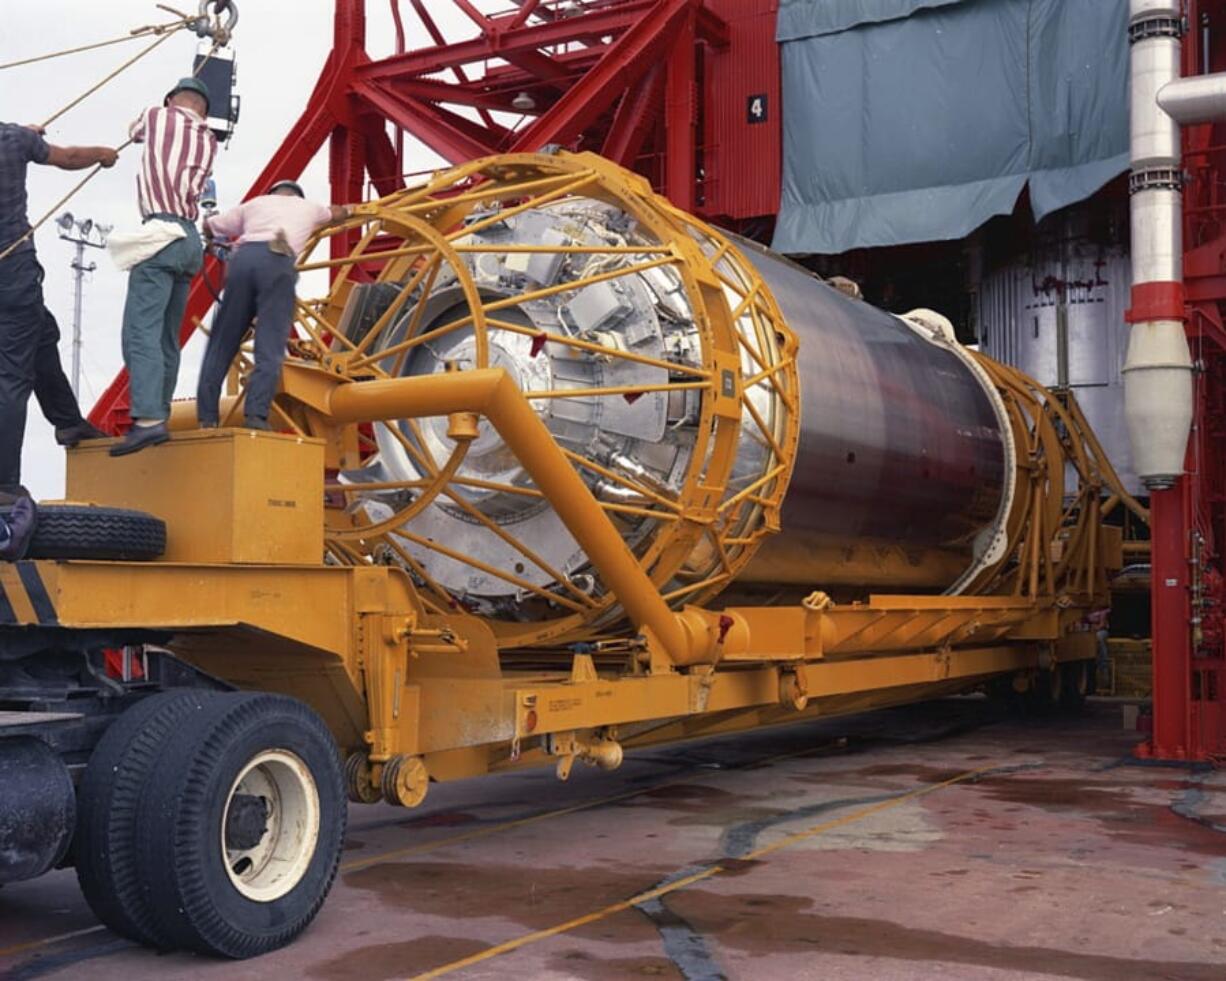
{"points": [[918, 120]]}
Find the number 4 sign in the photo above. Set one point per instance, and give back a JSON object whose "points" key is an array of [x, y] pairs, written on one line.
{"points": [[755, 109]]}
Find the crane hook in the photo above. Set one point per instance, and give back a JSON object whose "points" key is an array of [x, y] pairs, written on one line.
{"points": [[219, 32]]}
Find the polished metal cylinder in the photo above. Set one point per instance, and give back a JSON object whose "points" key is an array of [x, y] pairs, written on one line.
{"points": [[1158, 372], [1198, 99], [901, 466], [1154, 62]]}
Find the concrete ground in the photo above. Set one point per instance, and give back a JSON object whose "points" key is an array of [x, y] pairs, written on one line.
{"points": [[927, 842]]}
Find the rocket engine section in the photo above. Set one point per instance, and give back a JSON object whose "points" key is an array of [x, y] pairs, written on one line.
{"points": [[905, 465], [718, 400]]}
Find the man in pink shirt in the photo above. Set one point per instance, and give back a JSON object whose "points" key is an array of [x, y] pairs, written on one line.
{"points": [[270, 231]]}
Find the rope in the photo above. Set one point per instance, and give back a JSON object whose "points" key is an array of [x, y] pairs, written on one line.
{"points": [[131, 36], [90, 91], [119, 149]]}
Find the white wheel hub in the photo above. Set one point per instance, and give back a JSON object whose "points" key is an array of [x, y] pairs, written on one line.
{"points": [[283, 853]]}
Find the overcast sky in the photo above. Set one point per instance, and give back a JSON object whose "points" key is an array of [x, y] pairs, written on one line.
{"points": [[281, 46]]}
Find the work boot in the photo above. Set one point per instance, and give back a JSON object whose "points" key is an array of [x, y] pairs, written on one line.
{"points": [[70, 436], [11, 494], [252, 422], [19, 527], [139, 437]]}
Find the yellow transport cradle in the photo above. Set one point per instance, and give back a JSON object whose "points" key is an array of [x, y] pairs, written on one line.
{"points": [[291, 566]]}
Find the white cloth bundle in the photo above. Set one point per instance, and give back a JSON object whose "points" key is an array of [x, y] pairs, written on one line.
{"points": [[129, 248]]}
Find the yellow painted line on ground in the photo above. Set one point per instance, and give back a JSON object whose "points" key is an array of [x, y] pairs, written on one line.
{"points": [[689, 880], [34, 944], [428, 846]]}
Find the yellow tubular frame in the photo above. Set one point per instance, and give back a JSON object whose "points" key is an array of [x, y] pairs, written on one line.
{"points": [[734, 315], [400, 671]]}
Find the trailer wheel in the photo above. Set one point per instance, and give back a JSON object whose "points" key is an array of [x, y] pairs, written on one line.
{"points": [[81, 531], [245, 814], [109, 819]]}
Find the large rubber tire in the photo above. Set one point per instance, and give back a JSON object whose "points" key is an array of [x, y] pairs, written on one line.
{"points": [[81, 531], [109, 828], [193, 887]]}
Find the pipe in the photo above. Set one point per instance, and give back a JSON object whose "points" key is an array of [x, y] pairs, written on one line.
{"points": [[1158, 369], [1198, 99], [492, 393]]}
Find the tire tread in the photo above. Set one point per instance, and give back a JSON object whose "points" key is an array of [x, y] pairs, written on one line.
{"points": [[108, 825], [178, 802], [78, 531]]}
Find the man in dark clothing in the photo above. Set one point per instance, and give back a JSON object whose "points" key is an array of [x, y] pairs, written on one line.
{"points": [[270, 231], [29, 336]]}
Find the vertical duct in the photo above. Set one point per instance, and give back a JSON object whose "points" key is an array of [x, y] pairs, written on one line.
{"points": [[1158, 368]]}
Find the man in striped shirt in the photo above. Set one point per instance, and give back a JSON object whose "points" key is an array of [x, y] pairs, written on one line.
{"points": [[178, 158]]}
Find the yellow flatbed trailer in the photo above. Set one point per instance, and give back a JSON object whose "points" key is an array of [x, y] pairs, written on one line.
{"points": [[528, 502]]}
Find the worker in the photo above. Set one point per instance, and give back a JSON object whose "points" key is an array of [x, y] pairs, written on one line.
{"points": [[270, 231], [17, 528], [1100, 622], [179, 149], [29, 336]]}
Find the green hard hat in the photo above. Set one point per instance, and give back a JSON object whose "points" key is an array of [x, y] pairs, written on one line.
{"points": [[189, 85]]}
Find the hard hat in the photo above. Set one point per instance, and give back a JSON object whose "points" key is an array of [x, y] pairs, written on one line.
{"points": [[189, 85], [287, 185]]}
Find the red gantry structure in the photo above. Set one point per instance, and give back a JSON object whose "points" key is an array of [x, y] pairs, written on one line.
{"points": [[687, 93], [1188, 521]]}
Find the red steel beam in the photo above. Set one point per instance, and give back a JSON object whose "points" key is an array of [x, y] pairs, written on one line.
{"points": [[439, 129], [635, 116], [531, 61], [526, 9], [437, 36], [593, 25], [681, 111], [628, 59], [1172, 650], [535, 63], [512, 78], [382, 161], [473, 14], [432, 90]]}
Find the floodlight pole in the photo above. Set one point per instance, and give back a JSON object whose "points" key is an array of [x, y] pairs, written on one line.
{"points": [[82, 233]]}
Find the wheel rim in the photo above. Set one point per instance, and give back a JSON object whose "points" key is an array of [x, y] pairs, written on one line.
{"points": [[270, 866]]}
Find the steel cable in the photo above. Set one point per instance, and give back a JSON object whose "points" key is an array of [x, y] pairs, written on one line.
{"points": [[94, 88], [35, 226], [163, 29]]}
